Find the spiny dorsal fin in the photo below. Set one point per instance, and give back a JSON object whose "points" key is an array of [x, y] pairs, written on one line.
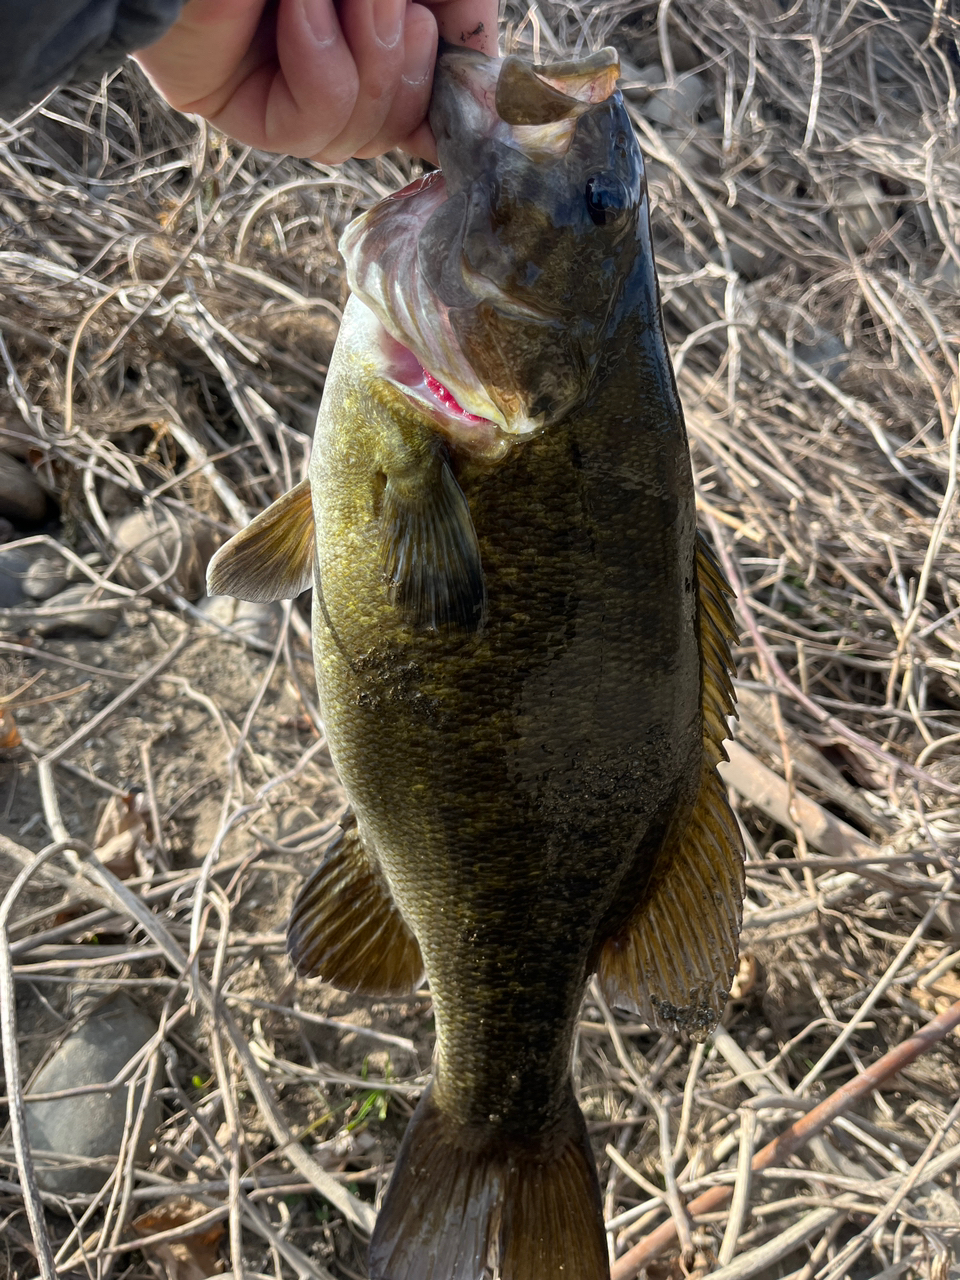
{"points": [[345, 927], [272, 558], [429, 552], [674, 959]]}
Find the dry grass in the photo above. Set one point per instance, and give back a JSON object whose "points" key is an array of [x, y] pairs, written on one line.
{"points": [[170, 301]]}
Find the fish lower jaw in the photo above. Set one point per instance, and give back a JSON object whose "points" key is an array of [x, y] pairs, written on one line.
{"points": [[479, 436], [469, 432], [484, 435]]}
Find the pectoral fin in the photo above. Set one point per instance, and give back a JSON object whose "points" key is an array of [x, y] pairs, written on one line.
{"points": [[674, 959], [272, 558], [346, 929], [429, 553]]}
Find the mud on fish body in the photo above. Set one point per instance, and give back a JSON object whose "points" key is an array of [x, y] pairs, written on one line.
{"points": [[523, 656]]}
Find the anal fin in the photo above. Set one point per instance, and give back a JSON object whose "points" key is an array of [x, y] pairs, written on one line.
{"points": [[674, 959], [464, 1205], [346, 929], [272, 558]]}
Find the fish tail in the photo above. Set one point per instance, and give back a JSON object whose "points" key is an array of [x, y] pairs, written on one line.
{"points": [[468, 1207]]}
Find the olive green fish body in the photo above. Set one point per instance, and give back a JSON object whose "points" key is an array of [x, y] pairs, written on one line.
{"points": [[522, 651], [515, 781]]}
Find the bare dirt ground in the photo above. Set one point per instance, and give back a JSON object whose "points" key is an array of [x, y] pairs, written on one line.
{"points": [[170, 302]]}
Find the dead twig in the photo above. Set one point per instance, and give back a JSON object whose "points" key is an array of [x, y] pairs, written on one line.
{"points": [[799, 1133]]}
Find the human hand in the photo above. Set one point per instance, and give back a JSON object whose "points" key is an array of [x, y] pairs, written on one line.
{"points": [[325, 79]]}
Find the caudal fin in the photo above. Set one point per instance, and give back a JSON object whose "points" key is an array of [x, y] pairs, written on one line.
{"points": [[459, 1208]]}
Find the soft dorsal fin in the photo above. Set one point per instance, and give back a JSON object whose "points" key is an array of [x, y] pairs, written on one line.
{"points": [[272, 558], [674, 959]]}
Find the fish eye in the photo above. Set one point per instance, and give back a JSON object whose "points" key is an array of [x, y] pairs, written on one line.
{"points": [[606, 198]]}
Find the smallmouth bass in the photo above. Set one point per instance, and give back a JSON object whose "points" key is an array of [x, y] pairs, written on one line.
{"points": [[522, 652]]}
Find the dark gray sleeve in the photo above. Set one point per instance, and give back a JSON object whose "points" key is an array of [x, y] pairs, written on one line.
{"points": [[45, 42]]}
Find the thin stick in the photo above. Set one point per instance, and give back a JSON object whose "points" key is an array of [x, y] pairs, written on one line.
{"points": [[799, 1133], [758, 1260], [741, 1188], [824, 717], [115, 894], [853, 1248], [883, 982], [89, 727]]}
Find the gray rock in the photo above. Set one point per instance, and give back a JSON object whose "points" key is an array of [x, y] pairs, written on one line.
{"points": [[14, 564], [259, 621], [21, 499], [163, 541], [219, 609], [89, 1127], [80, 608], [45, 577], [827, 355], [947, 274]]}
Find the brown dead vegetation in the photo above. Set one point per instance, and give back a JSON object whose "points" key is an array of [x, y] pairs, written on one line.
{"points": [[170, 302]]}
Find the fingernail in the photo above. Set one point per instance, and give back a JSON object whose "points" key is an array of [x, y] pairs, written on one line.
{"points": [[418, 60], [388, 21], [321, 18]]}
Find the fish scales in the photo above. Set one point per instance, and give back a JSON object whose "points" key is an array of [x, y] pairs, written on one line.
{"points": [[522, 655], [500, 776]]}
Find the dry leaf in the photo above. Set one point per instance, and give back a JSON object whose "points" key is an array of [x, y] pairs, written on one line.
{"points": [[123, 839], [192, 1257], [745, 979], [9, 733]]}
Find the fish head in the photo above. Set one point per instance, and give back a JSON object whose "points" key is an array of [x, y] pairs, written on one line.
{"points": [[504, 273]]}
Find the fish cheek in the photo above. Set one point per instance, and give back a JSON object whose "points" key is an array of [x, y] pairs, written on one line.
{"points": [[534, 369], [501, 242], [438, 252]]}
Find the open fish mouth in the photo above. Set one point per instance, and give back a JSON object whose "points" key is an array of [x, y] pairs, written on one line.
{"points": [[420, 353], [381, 252], [477, 433], [419, 258]]}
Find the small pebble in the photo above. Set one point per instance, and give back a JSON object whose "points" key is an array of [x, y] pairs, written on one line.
{"points": [[676, 106], [89, 1126], [46, 576], [827, 355], [259, 621], [14, 566], [859, 212], [152, 537], [21, 499], [77, 612], [218, 609]]}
